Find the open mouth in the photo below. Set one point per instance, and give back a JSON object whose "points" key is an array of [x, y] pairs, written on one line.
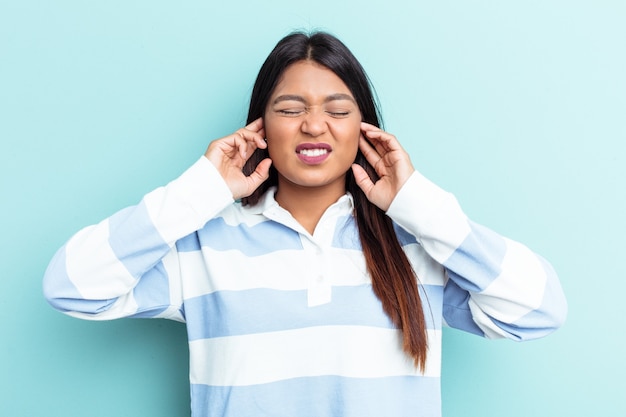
{"points": [[313, 153]]}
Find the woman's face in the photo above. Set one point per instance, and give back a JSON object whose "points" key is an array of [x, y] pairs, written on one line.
{"points": [[312, 125]]}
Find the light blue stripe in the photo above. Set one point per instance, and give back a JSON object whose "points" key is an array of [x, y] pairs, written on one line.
{"points": [[260, 239], [479, 256], [404, 237], [323, 396], [231, 313], [135, 241], [347, 234], [456, 311], [189, 243], [61, 292], [152, 293]]}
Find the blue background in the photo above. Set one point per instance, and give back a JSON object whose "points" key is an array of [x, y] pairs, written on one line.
{"points": [[517, 107]]}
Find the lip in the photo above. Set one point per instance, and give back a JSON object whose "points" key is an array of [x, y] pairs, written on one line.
{"points": [[317, 152]]}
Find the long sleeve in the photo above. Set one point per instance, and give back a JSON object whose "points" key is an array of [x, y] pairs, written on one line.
{"points": [[119, 267], [495, 287]]}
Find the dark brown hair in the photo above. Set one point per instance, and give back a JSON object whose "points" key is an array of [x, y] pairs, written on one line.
{"points": [[393, 280]]}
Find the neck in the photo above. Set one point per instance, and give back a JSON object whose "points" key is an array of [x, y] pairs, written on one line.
{"points": [[308, 204]]}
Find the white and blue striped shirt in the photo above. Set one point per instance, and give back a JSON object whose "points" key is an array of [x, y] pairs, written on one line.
{"points": [[284, 323]]}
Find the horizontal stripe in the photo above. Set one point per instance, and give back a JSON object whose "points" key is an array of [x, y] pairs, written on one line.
{"points": [[346, 234], [351, 351], [480, 257], [209, 271], [260, 239], [323, 396], [233, 313], [221, 235]]}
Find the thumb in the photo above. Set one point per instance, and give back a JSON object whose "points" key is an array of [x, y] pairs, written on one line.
{"points": [[260, 174], [362, 179]]}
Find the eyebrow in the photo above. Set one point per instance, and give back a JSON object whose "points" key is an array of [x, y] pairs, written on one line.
{"points": [[294, 97]]}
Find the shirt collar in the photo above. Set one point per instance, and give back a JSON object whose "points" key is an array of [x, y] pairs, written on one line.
{"points": [[344, 205]]}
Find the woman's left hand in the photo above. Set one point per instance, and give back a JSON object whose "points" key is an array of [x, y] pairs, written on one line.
{"points": [[389, 159]]}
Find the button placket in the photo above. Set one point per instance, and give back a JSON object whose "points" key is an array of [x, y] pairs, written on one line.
{"points": [[319, 289]]}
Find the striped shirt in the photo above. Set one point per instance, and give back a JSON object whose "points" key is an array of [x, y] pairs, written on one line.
{"points": [[282, 322]]}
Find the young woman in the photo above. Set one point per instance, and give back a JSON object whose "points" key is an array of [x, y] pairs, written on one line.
{"points": [[312, 264]]}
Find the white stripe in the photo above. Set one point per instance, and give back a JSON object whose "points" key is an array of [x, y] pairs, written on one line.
{"points": [[106, 279], [428, 271], [350, 351], [286, 270], [282, 270], [454, 230], [518, 290]]}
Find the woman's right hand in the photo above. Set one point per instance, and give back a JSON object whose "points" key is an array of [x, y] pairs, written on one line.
{"points": [[230, 153]]}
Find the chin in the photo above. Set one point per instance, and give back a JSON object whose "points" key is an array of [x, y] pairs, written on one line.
{"points": [[316, 182]]}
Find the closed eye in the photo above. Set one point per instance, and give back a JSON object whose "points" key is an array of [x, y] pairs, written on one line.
{"points": [[290, 112], [338, 113]]}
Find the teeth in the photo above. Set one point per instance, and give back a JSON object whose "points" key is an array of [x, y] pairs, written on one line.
{"points": [[313, 152]]}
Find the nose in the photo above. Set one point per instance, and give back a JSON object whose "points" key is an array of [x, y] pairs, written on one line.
{"points": [[314, 123]]}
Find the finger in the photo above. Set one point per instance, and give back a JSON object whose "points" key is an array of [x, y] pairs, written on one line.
{"points": [[368, 126], [256, 133], [383, 141], [256, 125], [247, 141], [371, 155], [260, 174], [363, 180], [376, 136], [258, 128], [241, 144]]}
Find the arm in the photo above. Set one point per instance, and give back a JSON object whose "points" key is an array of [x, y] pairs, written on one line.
{"points": [[495, 287], [116, 268], [126, 265]]}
